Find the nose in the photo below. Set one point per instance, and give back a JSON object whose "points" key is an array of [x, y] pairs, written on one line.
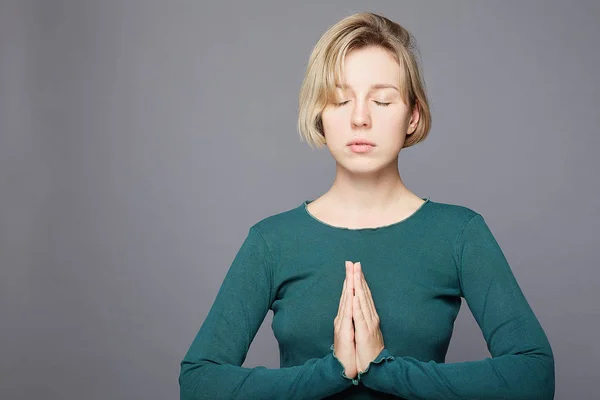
{"points": [[361, 116]]}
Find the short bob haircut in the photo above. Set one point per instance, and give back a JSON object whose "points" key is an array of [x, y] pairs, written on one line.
{"points": [[324, 72]]}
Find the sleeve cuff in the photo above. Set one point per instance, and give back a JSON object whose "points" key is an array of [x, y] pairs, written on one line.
{"points": [[354, 380], [383, 356]]}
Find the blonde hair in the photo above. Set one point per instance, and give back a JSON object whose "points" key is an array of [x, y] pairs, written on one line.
{"points": [[324, 71]]}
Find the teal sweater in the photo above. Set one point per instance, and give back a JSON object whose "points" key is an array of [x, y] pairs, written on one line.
{"points": [[418, 270]]}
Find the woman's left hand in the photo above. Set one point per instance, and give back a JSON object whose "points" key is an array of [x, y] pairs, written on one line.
{"points": [[367, 334]]}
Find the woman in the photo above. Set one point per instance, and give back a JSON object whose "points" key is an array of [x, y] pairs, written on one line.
{"points": [[365, 282]]}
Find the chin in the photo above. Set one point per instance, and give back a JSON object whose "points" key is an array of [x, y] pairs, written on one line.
{"points": [[361, 166], [365, 164]]}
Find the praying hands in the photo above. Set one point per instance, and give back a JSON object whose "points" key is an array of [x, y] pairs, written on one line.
{"points": [[357, 336]]}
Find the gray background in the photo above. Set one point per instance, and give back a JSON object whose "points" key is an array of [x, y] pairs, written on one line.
{"points": [[141, 139]]}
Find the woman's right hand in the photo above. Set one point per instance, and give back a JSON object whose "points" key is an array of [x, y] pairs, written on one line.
{"points": [[343, 337]]}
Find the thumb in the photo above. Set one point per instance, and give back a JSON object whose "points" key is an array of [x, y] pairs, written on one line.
{"points": [[357, 313]]}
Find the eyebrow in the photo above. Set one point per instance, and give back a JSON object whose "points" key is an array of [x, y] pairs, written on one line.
{"points": [[373, 87]]}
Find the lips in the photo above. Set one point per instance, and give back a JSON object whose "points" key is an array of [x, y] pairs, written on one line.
{"points": [[361, 148], [361, 142]]}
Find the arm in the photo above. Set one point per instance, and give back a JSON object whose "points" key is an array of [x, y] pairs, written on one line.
{"points": [[211, 369], [522, 363]]}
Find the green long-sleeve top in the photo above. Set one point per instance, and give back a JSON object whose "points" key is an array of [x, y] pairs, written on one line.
{"points": [[418, 270]]}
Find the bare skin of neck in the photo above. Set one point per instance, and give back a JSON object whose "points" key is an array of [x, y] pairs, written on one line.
{"points": [[337, 208]]}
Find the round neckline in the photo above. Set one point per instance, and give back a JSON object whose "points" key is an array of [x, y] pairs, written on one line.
{"points": [[305, 204]]}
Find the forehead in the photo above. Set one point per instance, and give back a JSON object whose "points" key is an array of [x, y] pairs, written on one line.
{"points": [[371, 67]]}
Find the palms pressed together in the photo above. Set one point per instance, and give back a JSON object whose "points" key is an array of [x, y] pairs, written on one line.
{"points": [[357, 335]]}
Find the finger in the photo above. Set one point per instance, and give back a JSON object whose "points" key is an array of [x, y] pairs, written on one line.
{"points": [[361, 294], [342, 297], [366, 291], [370, 300], [350, 275], [368, 296], [346, 317], [361, 329], [357, 314], [348, 305]]}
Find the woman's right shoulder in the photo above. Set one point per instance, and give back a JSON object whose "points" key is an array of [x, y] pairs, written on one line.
{"points": [[280, 225]]}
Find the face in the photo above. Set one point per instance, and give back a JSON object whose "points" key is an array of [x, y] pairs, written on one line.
{"points": [[369, 107]]}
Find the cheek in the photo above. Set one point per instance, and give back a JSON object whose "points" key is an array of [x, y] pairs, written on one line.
{"points": [[392, 120], [332, 122], [395, 128]]}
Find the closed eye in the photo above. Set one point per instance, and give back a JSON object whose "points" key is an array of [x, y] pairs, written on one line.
{"points": [[382, 104], [379, 103], [342, 103]]}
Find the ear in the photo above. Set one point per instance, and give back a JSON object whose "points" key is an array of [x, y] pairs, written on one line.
{"points": [[414, 119]]}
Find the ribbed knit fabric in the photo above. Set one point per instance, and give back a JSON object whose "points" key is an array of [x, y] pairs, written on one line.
{"points": [[418, 270]]}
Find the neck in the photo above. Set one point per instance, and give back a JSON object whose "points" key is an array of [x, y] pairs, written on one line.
{"points": [[363, 193]]}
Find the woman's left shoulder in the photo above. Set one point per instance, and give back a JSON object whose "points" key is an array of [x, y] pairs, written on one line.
{"points": [[452, 214]]}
